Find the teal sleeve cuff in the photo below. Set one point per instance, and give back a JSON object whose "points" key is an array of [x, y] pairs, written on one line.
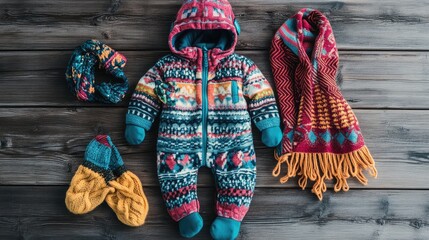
{"points": [[268, 123], [131, 119]]}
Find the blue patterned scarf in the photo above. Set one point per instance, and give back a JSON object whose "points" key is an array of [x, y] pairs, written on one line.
{"points": [[80, 73]]}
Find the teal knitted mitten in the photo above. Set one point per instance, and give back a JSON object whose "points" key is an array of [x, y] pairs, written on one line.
{"points": [[225, 229], [134, 134], [272, 136]]}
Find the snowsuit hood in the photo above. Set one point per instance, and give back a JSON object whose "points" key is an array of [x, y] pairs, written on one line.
{"points": [[206, 24]]}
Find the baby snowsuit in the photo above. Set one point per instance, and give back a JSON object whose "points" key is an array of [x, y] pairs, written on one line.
{"points": [[200, 91]]}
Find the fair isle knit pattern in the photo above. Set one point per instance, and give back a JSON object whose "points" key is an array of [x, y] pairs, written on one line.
{"points": [[80, 73], [230, 151], [206, 96]]}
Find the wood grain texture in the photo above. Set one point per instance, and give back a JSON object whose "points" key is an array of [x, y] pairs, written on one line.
{"points": [[44, 146], [369, 79], [98, 229], [358, 24], [44, 131], [275, 213]]}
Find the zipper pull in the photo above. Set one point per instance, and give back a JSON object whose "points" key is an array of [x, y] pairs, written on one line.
{"points": [[206, 61]]}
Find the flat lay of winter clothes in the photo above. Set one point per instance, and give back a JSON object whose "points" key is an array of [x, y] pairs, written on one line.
{"points": [[206, 97]]}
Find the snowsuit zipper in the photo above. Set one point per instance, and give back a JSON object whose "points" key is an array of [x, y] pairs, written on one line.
{"points": [[205, 103]]}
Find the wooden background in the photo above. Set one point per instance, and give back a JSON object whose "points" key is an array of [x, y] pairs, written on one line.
{"points": [[44, 131]]}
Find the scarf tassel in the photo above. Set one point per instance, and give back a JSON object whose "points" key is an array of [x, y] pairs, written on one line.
{"points": [[319, 167]]}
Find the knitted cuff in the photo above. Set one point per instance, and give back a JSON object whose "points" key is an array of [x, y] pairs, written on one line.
{"points": [[97, 156], [184, 210], [116, 163], [268, 123], [98, 151], [231, 211], [138, 121]]}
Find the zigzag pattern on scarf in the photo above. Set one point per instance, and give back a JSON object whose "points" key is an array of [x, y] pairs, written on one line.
{"points": [[321, 137]]}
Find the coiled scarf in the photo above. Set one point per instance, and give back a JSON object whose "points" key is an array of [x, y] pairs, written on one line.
{"points": [[80, 73], [321, 137]]}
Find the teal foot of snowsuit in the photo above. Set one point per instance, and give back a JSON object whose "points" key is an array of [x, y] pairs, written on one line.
{"points": [[206, 96]]}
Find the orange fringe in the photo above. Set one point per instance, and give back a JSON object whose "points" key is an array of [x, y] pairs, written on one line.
{"points": [[319, 167]]}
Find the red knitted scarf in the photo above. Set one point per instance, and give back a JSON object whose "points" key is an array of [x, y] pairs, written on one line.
{"points": [[321, 137]]}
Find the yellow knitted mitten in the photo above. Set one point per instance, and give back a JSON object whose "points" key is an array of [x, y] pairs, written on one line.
{"points": [[128, 200], [89, 187]]}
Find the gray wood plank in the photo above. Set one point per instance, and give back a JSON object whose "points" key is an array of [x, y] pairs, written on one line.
{"points": [[39, 212], [44, 146], [358, 24], [66, 228], [369, 79]]}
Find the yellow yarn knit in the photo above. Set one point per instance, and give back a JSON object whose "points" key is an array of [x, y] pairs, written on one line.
{"points": [[87, 190], [128, 201]]}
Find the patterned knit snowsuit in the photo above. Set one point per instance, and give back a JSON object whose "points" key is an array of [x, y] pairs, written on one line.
{"points": [[204, 93]]}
